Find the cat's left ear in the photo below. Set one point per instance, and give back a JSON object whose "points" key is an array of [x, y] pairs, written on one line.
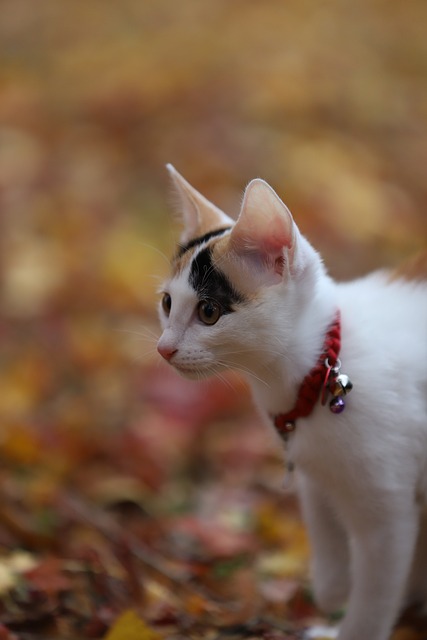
{"points": [[199, 216], [265, 232]]}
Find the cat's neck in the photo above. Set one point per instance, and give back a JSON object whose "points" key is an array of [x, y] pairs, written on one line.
{"points": [[275, 387]]}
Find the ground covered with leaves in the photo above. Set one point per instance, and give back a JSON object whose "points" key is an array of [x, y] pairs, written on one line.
{"points": [[135, 504], [177, 519]]}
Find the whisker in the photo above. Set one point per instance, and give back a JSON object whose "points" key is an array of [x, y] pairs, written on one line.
{"points": [[139, 357], [256, 350], [144, 335], [157, 277], [149, 335], [156, 249], [242, 369], [224, 380]]}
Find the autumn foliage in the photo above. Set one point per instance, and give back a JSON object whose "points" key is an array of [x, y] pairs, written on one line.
{"points": [[135, 504]]}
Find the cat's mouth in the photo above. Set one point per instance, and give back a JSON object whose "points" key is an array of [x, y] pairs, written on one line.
{"points": [[192, 372]]}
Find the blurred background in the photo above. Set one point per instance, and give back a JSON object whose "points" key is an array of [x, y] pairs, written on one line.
{"points": [[325, 100]]}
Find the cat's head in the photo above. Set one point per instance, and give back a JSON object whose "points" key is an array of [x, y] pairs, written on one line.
{"points": [[236, 288]]}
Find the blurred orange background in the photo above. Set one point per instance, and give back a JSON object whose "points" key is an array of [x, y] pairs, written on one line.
{"points": [[326, 101]]}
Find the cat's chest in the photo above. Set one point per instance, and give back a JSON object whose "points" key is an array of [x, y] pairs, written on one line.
{"points": [[273, 397], [315, 446], [330, 451], [320, 447]]}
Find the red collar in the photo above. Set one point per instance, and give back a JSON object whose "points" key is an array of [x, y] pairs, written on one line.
{"points": [[316, 382]]}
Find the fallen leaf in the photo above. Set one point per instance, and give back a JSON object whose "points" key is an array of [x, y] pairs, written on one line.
{"points": [[129, 626], [49, 576]]}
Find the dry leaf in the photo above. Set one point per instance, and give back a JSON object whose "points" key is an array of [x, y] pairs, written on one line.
{"points": [[129, 626]]}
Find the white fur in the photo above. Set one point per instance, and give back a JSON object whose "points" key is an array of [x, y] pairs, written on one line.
{"points": [[361, 475]]}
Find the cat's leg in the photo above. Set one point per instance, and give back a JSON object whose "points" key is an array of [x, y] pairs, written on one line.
{"points": [[381, 555], [330, 555]]}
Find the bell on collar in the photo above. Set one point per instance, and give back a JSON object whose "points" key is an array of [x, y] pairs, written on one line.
{"points": [[337, 404], [341, 385]]}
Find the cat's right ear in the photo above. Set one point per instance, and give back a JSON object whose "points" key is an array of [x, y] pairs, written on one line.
{"points": [[199, 216], [265, 234]]}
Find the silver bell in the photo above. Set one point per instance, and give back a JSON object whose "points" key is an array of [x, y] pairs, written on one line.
{"points": [[341, 385]]}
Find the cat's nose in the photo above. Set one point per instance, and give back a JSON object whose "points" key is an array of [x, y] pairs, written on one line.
{"points": [[166, 352]]}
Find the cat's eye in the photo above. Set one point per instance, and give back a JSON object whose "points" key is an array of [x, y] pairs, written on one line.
{"points": [[208, 311], [166, 303]]}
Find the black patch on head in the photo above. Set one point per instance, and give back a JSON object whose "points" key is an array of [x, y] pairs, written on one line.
{"points": [[183, 248], [210, 282]]}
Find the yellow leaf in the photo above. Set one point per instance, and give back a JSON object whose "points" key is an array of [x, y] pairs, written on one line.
{"points": [[289, 563], [129, 626]]}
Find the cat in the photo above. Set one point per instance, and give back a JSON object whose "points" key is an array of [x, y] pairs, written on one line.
{"points": [[254, 295]]}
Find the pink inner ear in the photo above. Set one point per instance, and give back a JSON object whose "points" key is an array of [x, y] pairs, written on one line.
{"points": [[277, 236], [264, 234], [272, 244], [264, 238]]}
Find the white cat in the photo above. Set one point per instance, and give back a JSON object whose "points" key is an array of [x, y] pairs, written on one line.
{"points": [[254, 295]]}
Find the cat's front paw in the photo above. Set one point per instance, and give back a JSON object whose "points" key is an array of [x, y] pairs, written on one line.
{"points": [[321, 633]]}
